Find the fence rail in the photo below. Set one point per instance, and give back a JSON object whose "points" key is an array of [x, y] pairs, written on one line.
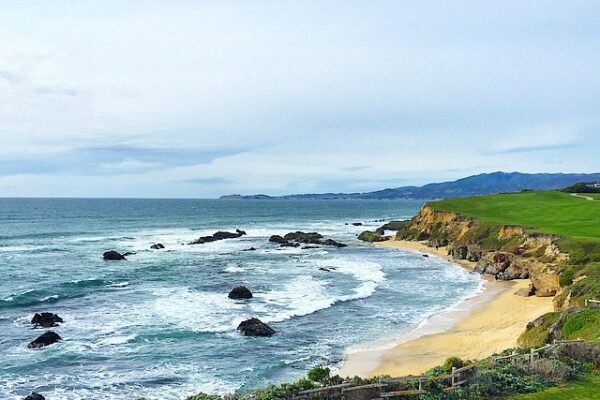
{"points": [[455, 379]]}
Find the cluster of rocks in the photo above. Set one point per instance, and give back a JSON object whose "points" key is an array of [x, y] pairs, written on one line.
{"points": [[157, 246], [252, 326], [45, 320], [295, 239], [221, 235]]}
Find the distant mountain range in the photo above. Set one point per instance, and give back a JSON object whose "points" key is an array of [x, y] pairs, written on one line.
{"points": [[490, 183]]}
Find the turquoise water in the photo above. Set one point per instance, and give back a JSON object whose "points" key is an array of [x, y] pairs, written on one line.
{"points": [[160, 324]]}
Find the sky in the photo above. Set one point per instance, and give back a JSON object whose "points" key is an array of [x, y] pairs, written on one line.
{"points": [[198, 99]]}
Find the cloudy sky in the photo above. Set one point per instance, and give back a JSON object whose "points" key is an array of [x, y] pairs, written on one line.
{"points": [[199, 99]]}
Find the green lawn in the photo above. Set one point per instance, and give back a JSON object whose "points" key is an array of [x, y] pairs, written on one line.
{"points": [[547, 212], [596, 196], [584, 389]]}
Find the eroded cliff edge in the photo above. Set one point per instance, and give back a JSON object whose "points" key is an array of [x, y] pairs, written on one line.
{"points": [[504, 251]]}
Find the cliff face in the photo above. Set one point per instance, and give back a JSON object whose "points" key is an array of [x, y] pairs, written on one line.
{"points": [[505, 251]]}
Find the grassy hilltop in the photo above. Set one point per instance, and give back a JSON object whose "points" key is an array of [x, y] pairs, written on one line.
{"points": [[547, 212]]}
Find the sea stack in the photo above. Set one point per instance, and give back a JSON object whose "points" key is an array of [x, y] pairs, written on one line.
{"points": [[113, 256], [240, 293], [44, 340], [46, 320], [255, 327]]}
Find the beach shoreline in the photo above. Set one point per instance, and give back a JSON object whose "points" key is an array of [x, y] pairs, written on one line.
{"points": [[485, 323]]}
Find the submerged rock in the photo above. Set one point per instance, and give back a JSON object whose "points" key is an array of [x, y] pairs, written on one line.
{"points": [[357, 223], [46, 320], [157, 246], [35, 396], [46, 339], [293, 239], [250, 249], [255, 327], [113, 256], [240, 292]]}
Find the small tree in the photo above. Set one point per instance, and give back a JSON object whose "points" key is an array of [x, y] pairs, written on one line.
{"points": [[319, 374]]}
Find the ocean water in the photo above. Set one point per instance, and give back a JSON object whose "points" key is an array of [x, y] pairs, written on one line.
{"points": [[160, 324]]}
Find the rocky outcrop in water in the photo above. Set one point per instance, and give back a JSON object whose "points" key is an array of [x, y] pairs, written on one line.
{"points": [[372, 237], [157, 246], [46, 320], [113, 256], [220, 235], [35, 396], [240, 293], [46, 339], [255, 327], [293, 239]]}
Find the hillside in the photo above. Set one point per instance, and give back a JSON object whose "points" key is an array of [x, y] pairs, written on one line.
{"points": [[492, 183], [550, 238]]}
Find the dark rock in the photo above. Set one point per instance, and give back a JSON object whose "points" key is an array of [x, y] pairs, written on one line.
{"points": [[309, 247], [255, 327], [324, 269], [250, 249], [129, 253], [331, 242], [240, 293], [425, 255], [393, 225], [220, 235], [303, 237], [277, 239], [357, 223], [46, 339], [35, 396], [293, 239], [157, 246], [113, 256], [46, 320], [381, 231]]}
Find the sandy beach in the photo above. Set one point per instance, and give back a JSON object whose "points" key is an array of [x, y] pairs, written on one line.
{"points": [[489, 322]]}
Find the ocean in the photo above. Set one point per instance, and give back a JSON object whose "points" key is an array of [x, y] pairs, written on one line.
{"points": [[160, 324]]}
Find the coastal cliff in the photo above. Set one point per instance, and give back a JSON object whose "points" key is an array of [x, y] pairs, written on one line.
{"points": [[504, 251]]}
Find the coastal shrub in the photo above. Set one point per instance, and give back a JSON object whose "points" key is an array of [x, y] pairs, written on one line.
{"points": [[551, 369], [453, 362], [319, 374], [582, 324], [566, 278], [204, 396]]}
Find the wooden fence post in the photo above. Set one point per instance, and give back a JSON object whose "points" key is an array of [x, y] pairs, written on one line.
{"points": [[531, 356], [453, 377]]}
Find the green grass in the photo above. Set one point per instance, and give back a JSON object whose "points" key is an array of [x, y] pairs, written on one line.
{"points": [[587, 388], [546, 212], [595, 196]]}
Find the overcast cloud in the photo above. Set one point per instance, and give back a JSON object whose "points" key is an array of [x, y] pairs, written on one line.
{"points": [[199, 99]]}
